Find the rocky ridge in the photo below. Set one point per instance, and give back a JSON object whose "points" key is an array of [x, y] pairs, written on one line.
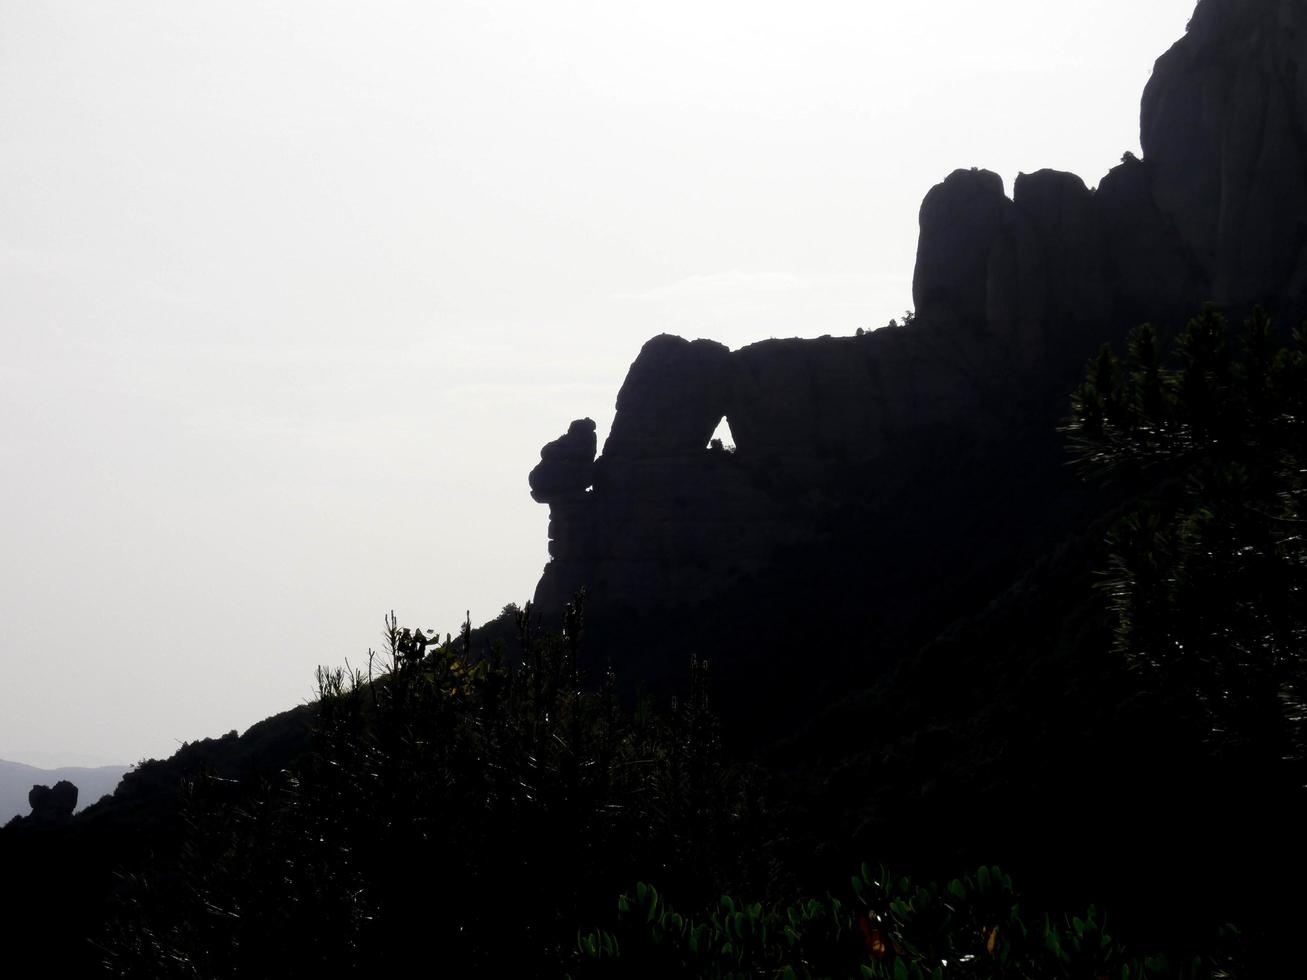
{"points": [[1012, 295]]}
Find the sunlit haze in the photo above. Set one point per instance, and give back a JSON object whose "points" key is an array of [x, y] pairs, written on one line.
{"points": [[292, 294]]}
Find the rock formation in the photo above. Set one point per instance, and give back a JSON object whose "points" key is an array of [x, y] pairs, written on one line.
{"points": [[53, 804], [566, 464], [1223, 130], [671, 401], [837, 437]]}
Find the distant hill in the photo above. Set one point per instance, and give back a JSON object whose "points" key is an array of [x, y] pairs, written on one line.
{"points": [[17, 780]]}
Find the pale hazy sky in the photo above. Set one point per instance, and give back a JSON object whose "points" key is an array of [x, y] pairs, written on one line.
{"points": [[291, 293]]}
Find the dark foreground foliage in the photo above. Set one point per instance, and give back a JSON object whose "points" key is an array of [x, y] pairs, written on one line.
{"points": [[884, 928], [479, 816], [476, 808], [1208, 578], [454, 809]]}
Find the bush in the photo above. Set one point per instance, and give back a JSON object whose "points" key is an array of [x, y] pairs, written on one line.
{"points": [[1208, 576], [454, 806], [885, 928]]}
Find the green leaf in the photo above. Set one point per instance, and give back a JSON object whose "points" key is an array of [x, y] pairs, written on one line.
{"points": [[900, 969]]}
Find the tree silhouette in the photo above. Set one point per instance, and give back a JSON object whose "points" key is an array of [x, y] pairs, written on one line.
{"points": [[1207, 575]]}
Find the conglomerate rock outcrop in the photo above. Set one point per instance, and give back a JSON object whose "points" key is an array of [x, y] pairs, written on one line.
{"points": [[1224, 132], [52, 804], [566, 464], [851, 452]]}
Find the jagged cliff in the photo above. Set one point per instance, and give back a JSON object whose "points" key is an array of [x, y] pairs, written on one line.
{"points": [[854, 454]]}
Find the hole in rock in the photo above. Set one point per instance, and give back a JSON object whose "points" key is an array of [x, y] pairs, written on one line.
{"points": [[721, 438]]}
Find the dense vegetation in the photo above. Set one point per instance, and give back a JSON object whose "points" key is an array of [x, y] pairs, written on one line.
{"points": [[886, 928], [1123, 726], [1208, 579], [482, 814], [455, 807]]}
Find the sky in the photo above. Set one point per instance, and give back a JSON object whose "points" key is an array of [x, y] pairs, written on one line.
{"points": [[292, 293]]}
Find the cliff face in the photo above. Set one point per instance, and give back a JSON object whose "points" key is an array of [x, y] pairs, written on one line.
{"points": [[945, 425], [1224, 131]]}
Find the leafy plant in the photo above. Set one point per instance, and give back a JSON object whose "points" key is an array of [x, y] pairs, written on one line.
{"points": [[885, 928], [453, 802], [1207, 579]]}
